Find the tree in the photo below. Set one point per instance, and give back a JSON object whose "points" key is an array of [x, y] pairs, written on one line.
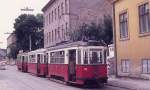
{"points": [[101, 32], [26, 26]]}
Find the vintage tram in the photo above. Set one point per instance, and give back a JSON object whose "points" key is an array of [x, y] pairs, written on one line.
{"points": [[22, 61], [80, 63], [36, 62]]}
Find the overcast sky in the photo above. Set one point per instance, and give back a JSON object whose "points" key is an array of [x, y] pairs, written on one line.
{"points": [[10, 9]]}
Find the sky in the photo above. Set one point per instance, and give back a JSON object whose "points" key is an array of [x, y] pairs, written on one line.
{"points": [[11, 9]]}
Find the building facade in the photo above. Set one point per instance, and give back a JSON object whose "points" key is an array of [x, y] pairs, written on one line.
{"points": [[132, 37], [11, 42], [2, 54], [62, 17]]}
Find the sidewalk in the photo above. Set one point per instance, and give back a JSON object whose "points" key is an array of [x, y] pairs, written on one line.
{"points": [[131, 84]]}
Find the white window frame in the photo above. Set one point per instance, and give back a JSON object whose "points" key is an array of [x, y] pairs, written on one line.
{"points": [[125, 65]]}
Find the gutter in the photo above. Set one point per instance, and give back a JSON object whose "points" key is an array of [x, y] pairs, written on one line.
{"points": [[114, 34]]}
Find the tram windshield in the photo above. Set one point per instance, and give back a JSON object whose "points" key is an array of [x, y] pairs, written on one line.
{"points": [[93, 56]]}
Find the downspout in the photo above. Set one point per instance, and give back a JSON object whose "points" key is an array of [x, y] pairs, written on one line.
{"points": [[115, 43]]}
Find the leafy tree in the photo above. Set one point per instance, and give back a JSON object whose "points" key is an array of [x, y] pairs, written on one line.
{"points": [[26, 26], [101, 32]]}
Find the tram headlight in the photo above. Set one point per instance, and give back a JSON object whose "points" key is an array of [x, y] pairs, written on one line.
{"points": [[85, 69]]}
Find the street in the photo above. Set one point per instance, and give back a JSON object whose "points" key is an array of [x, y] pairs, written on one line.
{"points": [[12, 79]]}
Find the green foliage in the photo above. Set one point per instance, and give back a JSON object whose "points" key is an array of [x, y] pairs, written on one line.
{"points": [[101, 32], [26, 26]]}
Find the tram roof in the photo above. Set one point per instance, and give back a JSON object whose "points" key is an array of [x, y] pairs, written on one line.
{"points": [[76, 44], [23, 53], [38, 51]]}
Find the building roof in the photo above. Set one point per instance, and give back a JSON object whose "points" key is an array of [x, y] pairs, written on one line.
{"points": [[48, 4], [12, 34]]}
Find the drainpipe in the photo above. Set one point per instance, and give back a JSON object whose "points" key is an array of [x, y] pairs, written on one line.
{"points": [[114, 34]]}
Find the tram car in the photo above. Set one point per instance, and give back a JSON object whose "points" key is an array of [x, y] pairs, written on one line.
{"points": [[36, 63], [22, 62], [79, 64]]}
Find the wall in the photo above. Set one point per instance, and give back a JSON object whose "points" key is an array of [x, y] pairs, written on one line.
{"points": [[136, 47]]}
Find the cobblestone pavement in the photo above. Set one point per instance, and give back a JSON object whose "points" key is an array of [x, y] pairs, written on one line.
{"points": [[12, 79]]}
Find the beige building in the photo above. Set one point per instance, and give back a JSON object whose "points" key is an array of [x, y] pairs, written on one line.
{"points": [[132, 37], [64, 16], [11, 40]]}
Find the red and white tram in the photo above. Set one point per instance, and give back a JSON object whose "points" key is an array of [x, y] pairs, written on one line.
{"points": [[36, 63], [22, 62], [80, 64]]}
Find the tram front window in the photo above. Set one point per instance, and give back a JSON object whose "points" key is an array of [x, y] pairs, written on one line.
{"points": [[96, 57], [93, 56]]}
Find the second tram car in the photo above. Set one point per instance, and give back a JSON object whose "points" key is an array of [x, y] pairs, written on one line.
{"points": [[36, 63], [72, 63], [78, 64]]}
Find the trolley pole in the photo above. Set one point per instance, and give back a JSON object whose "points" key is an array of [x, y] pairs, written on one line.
{"points": [[27, 9]]}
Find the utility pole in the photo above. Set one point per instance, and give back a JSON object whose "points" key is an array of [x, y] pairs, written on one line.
{"points": [[1, 43], [27, 9]]}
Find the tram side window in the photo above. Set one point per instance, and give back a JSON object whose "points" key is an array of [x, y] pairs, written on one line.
{"points": [[79, 56], [100, 58], [85, 56], [52, 58], [41, 59], [57, 57], [32, 58], [96, 57], [62, 57]]}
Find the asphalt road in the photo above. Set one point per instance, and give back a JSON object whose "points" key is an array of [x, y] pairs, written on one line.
{"points": [[12, 79]]}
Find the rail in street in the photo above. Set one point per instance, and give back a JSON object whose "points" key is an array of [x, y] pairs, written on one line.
{"points": [[12, 79]]}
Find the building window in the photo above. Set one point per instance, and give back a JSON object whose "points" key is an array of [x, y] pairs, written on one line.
{"points": [[55, 34], [52, 16], [62, 8], [49, 37], [144, 18], [123, 25], [45, 39], [52, 36], [58, 32], [63, 32], [125, 66], [66, 6], [44, 21], [55, 13], [66, 28], [49, 18], [146, 66], [58, 12]]}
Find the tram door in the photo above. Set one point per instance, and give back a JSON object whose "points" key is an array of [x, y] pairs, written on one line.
{"points": [[72, 65], [23, 63], [38, 63], [46, 63]]}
